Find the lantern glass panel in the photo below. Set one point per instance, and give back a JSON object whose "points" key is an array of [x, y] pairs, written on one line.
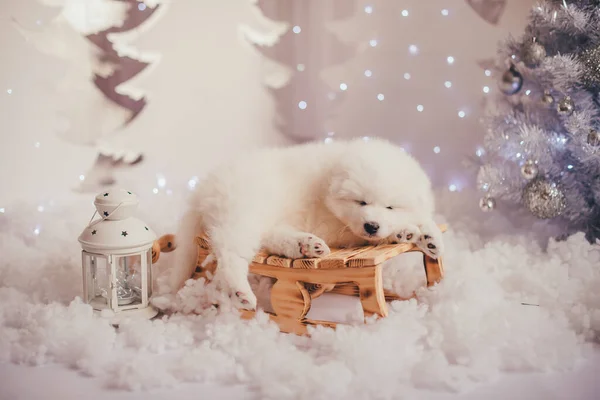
{"points": [[149, 264], [128, 279], [97, 280]]}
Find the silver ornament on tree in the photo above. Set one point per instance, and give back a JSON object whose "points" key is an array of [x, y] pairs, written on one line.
{"points": [[533, 54], [487, 203], [593, 138], [565, 106], [544, 199], [529, 169], [511, 81], [547, 98]]}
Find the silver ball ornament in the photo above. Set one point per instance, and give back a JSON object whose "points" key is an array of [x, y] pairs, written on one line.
{"points": [[534, 54], [566, 106], [487, 203], [529, 170], [544, 199], [590, 60], [547, 98], [593, 138], [511, 81]]}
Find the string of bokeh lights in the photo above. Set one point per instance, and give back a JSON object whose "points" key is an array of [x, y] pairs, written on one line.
{"points": [[413, 49]]}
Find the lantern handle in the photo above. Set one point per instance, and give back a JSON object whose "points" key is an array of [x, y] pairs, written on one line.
{"points": [[102, 218]]}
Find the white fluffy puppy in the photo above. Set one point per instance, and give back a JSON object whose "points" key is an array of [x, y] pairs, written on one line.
{"points": [[301, 200]]}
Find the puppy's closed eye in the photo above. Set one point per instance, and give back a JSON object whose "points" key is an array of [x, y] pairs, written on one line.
{"points": [[390, 207], [361, 202]]}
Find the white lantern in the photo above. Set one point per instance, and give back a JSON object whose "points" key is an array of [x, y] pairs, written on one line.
{"points": [[117, 259]]}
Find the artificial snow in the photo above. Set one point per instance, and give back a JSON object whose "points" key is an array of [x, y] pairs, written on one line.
{"points": [[465, 330]]}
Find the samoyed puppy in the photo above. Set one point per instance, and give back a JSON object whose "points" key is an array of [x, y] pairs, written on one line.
{"points": [[300, 202]]}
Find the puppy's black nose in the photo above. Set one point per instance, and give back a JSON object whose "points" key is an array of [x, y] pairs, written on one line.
{"points": [[371, 227]]}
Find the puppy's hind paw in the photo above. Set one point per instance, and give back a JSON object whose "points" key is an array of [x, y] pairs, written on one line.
{"points": [[246, 300], [237, 288]]}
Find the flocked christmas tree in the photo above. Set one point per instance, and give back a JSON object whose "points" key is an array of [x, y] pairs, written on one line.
{"points": [[543, 141]]}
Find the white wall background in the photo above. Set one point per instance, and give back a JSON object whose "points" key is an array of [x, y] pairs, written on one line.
{"points": [[207, 97]]}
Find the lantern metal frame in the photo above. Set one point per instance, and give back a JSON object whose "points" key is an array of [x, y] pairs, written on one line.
{"points": [[113, 305]]}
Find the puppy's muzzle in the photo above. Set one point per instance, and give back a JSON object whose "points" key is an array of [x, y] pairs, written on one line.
{"points": [[371, 228]]}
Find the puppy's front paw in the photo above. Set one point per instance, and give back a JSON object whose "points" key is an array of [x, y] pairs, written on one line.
{"points": [[409, 234], [311, 246], [430, 241]]}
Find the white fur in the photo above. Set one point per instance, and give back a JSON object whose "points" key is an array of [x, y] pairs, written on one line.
{"points": [[297, 201]]}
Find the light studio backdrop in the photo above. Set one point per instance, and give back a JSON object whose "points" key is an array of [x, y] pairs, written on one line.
{"points": [[152, 94]]}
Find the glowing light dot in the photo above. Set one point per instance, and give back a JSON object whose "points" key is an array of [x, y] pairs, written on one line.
{"points": [[37, 230], [488, 72], [479, 152], [569, 166], [380, 97], [445, 12], [461, 114], [192, 183], [527, 92], [300, 67], [40, 208], [368, 9], [141, 6], [373, 42], [448, 84], [406, 76], [405, 13], [452, 187], [155, 191], [343, 86], [9, 91], [486, 89], [2, 210], [518, 155], [296, 29], [420, 108], [437, 149], [302, 105], [37, 145], [413, 49], [513, 56], [81, 177], [161, 181], [328, 140], [368, 73], [450, 60]]}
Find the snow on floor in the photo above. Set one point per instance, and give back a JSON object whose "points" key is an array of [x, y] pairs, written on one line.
{"points": [[466, 330]]}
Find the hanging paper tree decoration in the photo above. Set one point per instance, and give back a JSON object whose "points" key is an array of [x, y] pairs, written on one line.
{"points": [[124, 66], [304, 101]]}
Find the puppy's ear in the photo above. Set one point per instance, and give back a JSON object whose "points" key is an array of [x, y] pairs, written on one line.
{"points": [[336, 185]]}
